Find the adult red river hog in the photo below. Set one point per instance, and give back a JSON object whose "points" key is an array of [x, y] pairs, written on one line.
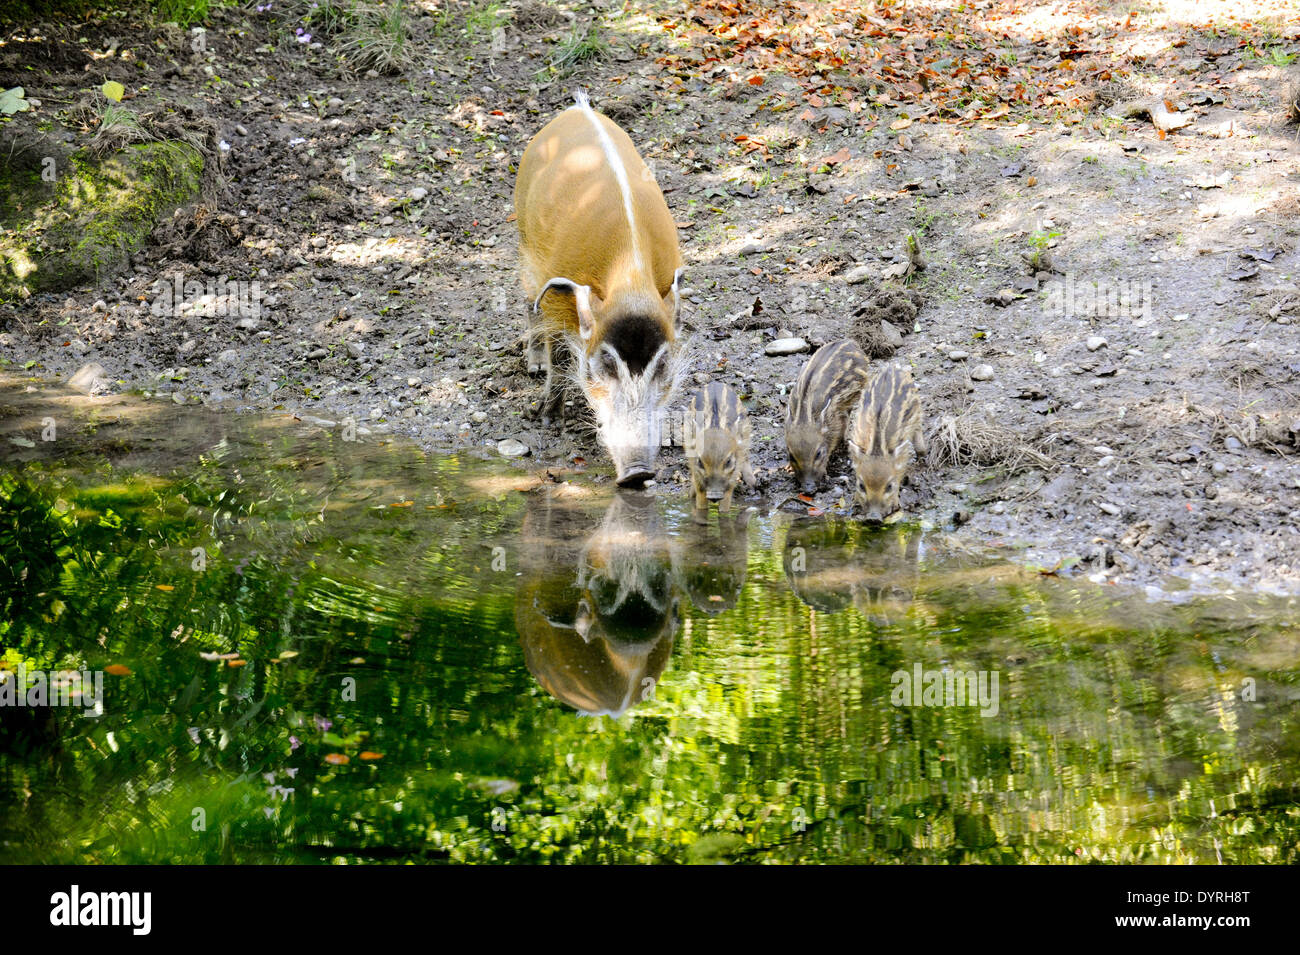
{"points": [[599, 261]]}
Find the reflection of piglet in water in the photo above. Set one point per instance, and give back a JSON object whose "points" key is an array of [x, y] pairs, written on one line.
{"points": [[600, 264]]}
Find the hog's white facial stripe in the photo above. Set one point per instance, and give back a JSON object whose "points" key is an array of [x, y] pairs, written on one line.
{"points": [[620, 174]]}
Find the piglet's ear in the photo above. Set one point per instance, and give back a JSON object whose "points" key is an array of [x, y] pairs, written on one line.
{"points": [[582, 301], [903, 451]]}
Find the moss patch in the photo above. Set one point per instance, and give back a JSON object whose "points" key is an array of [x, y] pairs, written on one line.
{"points": [[83, 227]]}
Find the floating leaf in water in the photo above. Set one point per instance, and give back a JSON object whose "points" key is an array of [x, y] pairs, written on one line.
{"points": [[113, 90], [236, 663], [117, 669], [165, 588], [402, 504], [336, 759], [368, 755]]}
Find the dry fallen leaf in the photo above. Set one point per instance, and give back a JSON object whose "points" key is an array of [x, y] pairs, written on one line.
{"points": [[166, 588], [116, 669], [368, 755]]}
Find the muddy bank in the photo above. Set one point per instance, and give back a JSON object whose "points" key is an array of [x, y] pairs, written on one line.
{"points": [[1106, 338]]}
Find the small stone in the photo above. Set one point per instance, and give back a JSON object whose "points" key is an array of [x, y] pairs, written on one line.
{"points": [[316, 354], [1107, 508], [890, 335], [240, 130], [356, 349], [99, 306], [1219, 468], [386, 220], [510, 448], [413, 382], [858, 275], [247, 324], [1106, 462], [1232, 444], [785, 346], [982, 373], [418, 193], [228, 356], [89, 378], [958, 355], [1095, 342], [479, 416], [319, 242]]}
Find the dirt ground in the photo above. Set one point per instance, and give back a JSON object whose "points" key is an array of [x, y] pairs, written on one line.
{"points": [[1154, 437]]}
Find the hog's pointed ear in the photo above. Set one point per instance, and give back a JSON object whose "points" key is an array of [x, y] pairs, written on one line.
{"points": [[853, 446], [903, 451], [583, 302], [673, 300]]}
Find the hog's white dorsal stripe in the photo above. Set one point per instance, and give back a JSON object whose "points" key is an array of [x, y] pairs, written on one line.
{"points": [[616, 164]]}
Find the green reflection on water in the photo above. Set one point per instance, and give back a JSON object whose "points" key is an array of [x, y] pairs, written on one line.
{"points": [[564, 674]]}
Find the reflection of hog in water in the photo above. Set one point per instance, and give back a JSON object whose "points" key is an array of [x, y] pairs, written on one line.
{"points": [[596, 617], [711, 566], [818, 561], [888, 570]]}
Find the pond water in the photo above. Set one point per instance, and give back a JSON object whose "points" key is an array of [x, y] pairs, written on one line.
{"points": [[319, 650]]}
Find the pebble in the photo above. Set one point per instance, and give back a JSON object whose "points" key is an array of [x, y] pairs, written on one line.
{"points": [[240, 130], [1112, 509], [958, 355], [858, 275], [480, 416], [1095, 342], [413, 382], [316, 354], [1106, 462], [319, 242], [228, 356], [247, 324], [418, 193], [88, 377], [1219, 468], [386, 220], [356, 349], [510, 448], [982, 373], [785, 346]]}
